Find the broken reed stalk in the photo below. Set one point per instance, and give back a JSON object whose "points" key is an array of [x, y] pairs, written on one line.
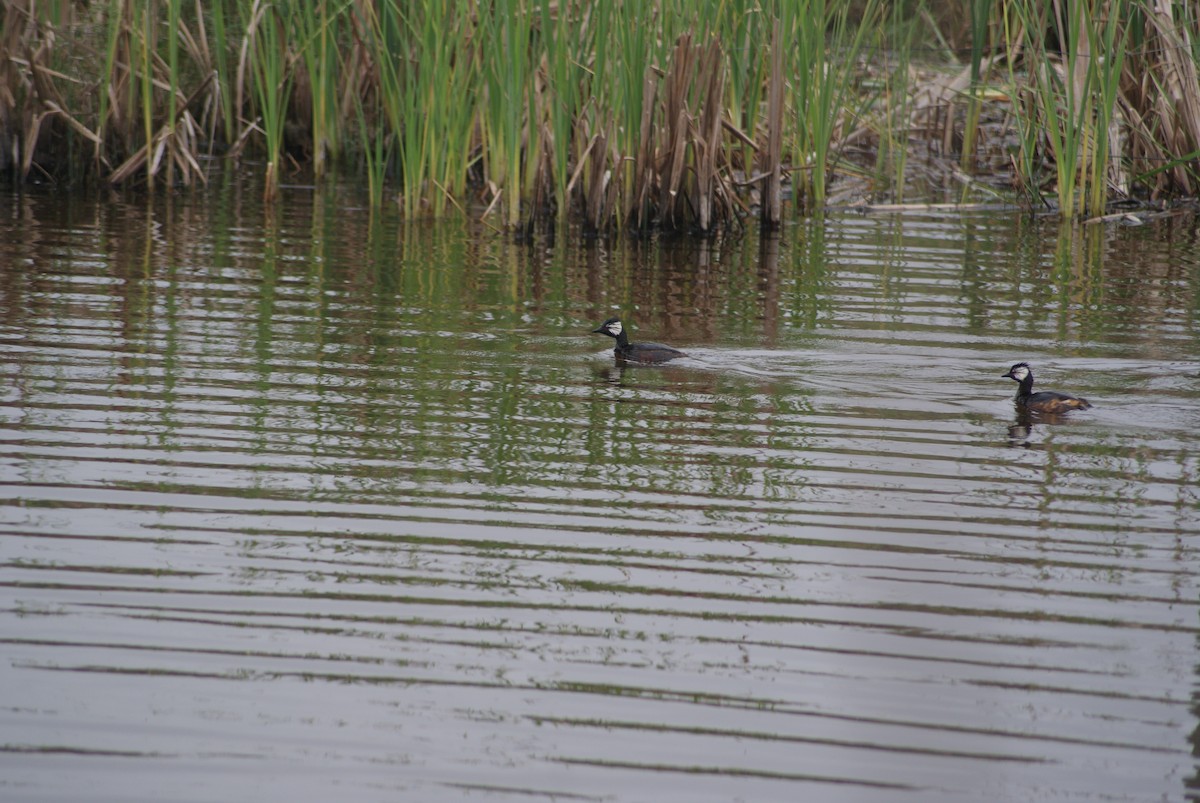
{"points": [[772, 155], [645, 170], [143, 27], [711, 198], [673, 148], [596, 207], [692, 193]]}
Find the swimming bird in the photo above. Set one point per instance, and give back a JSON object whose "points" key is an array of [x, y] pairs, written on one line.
{"points": [[1046, 401], [635, 352]]}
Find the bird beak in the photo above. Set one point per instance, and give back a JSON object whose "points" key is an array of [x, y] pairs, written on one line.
{"points": [[1007, 376], [600, 331]]}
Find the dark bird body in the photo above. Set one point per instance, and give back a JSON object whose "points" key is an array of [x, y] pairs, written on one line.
{"points": [[1046, 401], [635, 352]]}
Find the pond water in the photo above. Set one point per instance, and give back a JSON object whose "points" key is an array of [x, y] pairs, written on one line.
{"points": [[301, 504]]}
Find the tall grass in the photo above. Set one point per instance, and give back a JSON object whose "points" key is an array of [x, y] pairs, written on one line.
{"points": [[267, 49], [748, 30], [891, 159], [618, 124], [1071, 102], [425, 82], [117, 52], [563, 34], [145, 101], [317, 33], [509, 150], [980, 15], [668, 114], [223, 114], [823, 94], [374, 141], [1160, 97], [142, 24]]}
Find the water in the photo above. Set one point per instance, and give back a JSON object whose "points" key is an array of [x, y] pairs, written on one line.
{"points": [[301, 505]]}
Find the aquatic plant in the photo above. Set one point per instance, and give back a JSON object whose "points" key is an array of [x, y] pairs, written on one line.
{"points": [[822, 94], [317, 26], [980, 15], [1159, 98], [1070, 102], [672, 114], [267, 50]]}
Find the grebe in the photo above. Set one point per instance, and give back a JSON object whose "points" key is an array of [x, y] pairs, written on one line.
{"points": [[635, 352], [1047, 401]]}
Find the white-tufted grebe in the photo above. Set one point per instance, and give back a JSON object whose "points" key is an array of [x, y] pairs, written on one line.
{"points": [[635, 352]]}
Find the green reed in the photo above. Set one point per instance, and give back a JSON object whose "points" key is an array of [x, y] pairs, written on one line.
{"points": [[385, 30], [173, 26], [143, 26], [373, 138], [453, 84], [1109, 39], [425, 84], [891, 159], [376, 154], [563, 37], [224, 78], [823, 97], [980, 14], [748, 29], [268, 52], [116, 44], [1070, 104], [505, 29], [630, 50], [316, 25]]}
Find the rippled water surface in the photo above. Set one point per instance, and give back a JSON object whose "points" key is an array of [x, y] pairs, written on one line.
{"points": [[304, 505]]}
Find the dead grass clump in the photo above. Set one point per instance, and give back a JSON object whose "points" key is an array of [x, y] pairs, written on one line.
{"points": [[1160, 102]]}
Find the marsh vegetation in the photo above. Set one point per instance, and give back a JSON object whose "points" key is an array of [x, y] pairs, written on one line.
{"points": [[674, 114]]}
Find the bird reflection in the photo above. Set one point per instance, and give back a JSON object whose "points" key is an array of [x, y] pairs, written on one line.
{"points": [[1021, 430], [612, 373], [623, 373]]}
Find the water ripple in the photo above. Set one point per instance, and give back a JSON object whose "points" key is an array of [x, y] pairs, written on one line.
{"points": [[414, 530]]}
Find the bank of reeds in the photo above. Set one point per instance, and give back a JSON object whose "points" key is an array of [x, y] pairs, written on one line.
{"points": [[674, 114]]}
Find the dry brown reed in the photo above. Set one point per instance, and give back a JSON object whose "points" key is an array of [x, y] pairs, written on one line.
{"points": [[1160, 101], [771, 166]]}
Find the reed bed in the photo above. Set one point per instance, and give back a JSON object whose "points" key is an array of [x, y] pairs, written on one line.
{"points": [[672, 114]]}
